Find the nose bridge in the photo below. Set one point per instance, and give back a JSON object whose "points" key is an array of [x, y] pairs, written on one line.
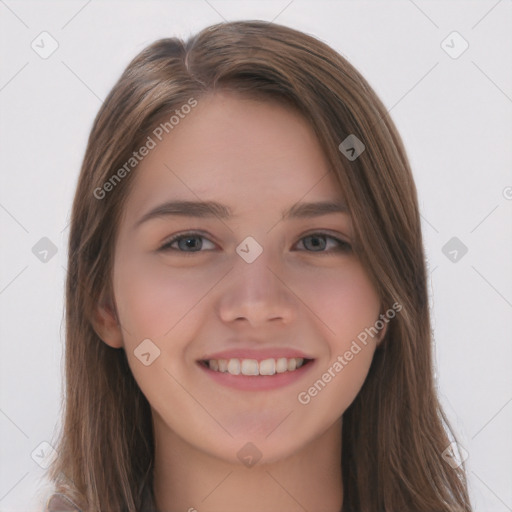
{"points": [[255, 291], [253, 264]]}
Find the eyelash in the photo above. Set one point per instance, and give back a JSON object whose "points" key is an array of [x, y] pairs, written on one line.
{"points": [[343, 246]]}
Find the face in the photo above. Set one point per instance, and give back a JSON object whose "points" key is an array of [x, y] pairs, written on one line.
{"points": [[251, 288]]}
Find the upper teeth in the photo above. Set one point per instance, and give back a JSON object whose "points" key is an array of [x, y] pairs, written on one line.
{"points": [[252, 367]]}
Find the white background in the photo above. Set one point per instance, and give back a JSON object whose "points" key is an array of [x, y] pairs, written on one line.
{"points": [[453, 114]]}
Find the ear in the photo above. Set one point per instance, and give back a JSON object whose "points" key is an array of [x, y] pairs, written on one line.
{"points": [[382, 332], [106, 323]]}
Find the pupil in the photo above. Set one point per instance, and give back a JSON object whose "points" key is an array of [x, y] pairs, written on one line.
{"points": [[191, 242], [315, 244]]}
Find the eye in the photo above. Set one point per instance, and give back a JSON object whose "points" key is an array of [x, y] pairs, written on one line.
{"points": [[185, 241], [317, 242]]}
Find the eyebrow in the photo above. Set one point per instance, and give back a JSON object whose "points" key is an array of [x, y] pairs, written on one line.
{"points": [[205, 209]]}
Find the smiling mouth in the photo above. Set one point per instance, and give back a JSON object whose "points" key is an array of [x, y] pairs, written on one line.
{"points": [[252, 367]]}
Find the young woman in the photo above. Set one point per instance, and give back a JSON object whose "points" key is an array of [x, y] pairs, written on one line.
{"points": [[247, 311]]}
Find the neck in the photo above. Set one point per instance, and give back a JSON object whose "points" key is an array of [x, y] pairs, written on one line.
{"points": [[188, 479]]}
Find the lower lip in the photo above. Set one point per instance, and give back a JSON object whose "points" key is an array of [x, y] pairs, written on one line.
{"points": [[258, 382]]}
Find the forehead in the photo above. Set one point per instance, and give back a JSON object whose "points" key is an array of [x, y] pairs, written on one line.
{"points": [[239, 151]]}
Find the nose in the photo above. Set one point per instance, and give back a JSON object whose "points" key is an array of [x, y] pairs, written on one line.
{"points": [[257, 293]]}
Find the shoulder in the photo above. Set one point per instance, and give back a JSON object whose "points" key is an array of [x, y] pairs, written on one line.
{"points": [[59, 503]]}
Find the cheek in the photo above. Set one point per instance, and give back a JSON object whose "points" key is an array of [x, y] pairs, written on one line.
{"points": [[343, 300], [346, 303], [152, 298]]}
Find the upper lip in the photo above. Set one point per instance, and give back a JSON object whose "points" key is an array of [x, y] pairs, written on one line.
{"points": [[258, 354]]}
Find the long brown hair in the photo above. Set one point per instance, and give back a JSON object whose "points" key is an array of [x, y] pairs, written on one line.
{"points": [[395, 431]]}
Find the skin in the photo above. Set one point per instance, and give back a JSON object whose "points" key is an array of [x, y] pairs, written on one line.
{"points": [[258, 158]]}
